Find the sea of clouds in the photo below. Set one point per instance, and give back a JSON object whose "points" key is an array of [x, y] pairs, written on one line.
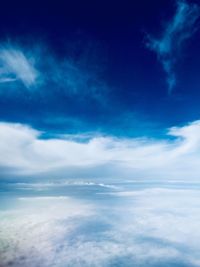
{"points": [[132, 224]]}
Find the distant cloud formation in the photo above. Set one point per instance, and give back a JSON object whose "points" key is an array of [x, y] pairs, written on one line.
{"points": [[16, 66], [24, 150], [180, 28]]}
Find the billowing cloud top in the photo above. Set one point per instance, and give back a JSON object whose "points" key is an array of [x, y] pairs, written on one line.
{"points": [[23, 149]]}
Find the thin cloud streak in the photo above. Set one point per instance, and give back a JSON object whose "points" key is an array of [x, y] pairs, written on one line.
{"points": [[16, 66], [177, 31], [48, 74]]}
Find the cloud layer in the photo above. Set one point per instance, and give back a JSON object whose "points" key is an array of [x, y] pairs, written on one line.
{"points": [[181, 27], [154, 227], [25, 151]]}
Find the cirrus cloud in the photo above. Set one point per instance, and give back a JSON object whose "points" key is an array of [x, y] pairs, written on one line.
{"points": [[15, 65], [180, 28]]}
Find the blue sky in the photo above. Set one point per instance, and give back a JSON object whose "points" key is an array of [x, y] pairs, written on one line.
{"points": [[131, 71], [99, 133], [108, 89]]}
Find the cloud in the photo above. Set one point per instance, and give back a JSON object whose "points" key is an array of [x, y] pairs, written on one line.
{"points": [[45, 221], [25, 151], [180, 28], [16, 66], [157, 225], [147, 210], [36, 66], [77, 80]]}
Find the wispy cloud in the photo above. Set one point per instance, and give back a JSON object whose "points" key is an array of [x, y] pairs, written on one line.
{"points": [[16, 66], [180, 28], [77, 80], [49, 74]]}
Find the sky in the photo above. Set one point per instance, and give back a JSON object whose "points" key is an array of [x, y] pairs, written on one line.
{"points": [[99, 85], [125, 69], [99, 119]]}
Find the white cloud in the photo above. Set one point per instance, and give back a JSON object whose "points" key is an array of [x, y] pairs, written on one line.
{"points": [[180, 28], [31, 234], [38, 67], [23, 149], [16, 66], [161, 218], [158, 226]]}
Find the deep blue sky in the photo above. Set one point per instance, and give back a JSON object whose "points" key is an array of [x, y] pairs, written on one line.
{"points": [[107, 40]]}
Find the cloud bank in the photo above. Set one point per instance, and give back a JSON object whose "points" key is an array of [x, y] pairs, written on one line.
{"points": [[180, 28], [25, 151]]}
